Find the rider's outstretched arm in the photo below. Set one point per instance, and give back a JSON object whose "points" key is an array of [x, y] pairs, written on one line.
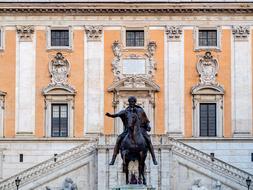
{"points": [[119, 114]]}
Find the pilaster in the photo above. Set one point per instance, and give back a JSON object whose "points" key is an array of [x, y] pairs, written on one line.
{"points": [[25, 81], [241, 82], [174, 81], [94, 79]]}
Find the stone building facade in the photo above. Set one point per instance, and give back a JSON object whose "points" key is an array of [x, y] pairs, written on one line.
{"points": [[64, 64]]}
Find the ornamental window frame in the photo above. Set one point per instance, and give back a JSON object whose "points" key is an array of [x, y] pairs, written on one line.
{"points": [[208, 95], [51, 99], [207, 48], [124, 36], [49, 43]]}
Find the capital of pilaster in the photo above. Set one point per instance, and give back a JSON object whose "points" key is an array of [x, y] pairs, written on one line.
{"points": [[25, 32], [94, 32]]}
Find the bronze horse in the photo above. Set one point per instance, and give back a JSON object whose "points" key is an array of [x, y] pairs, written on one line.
{"points": [[134, 147]]}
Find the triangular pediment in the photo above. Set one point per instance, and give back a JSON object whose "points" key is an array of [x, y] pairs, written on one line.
{"points": [[136, 83]]}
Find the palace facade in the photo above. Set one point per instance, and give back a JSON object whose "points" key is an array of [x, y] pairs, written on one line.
{"points": [[63, 65]]}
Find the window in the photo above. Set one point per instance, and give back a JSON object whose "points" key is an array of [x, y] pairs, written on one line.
{"points": [[207, 37], [60, 38], [207, 119], [59, 120], [134, 38]]}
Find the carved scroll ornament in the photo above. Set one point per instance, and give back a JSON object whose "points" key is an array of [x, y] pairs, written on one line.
{"points": [[207, 68], [59, 69], [117, 62]]}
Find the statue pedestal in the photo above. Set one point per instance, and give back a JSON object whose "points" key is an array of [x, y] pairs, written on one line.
{"points": [[133, 187]]}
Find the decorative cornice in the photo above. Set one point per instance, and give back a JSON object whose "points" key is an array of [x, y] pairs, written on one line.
{"points": [[241, 32], [25, 32], [94, 33], [173, 33], [85, 8]]}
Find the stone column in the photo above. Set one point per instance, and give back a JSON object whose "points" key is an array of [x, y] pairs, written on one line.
{"points": [[241, 82], [25, 81], [174, 81], [94, 80]]}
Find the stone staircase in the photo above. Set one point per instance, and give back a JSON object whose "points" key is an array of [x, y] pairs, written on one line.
{"points": [[174, 158], [217, 166], [61, 161]]}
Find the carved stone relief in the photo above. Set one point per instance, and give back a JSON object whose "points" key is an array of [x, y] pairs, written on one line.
{"points": [[198, 186], [151, 49], [241, 32], [120, 58], [59, 68], [117, 51], [207, 68], [25, 32], [173, 33], [68, 184], [94, 33]]}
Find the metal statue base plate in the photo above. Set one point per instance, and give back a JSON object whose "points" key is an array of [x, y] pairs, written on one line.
{"points": [[133, 187]]}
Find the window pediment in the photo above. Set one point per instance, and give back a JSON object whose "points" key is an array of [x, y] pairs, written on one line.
{"points": [[134, 83], [59, 90], [207, 90]]}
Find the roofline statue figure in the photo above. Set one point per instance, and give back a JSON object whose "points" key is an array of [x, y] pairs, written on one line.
{"points": [[134, 141]]}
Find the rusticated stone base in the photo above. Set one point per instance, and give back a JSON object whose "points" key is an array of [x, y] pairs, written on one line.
{"points": [[133, 187]]}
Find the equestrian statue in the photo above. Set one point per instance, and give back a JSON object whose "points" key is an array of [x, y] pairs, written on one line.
{"points": [[134, 142]]}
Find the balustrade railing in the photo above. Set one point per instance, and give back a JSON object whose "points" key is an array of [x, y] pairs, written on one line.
{"points": [[47, 166], [210, 162]]}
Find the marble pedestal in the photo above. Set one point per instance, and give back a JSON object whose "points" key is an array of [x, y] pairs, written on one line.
{"points": [[133, 187]]}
